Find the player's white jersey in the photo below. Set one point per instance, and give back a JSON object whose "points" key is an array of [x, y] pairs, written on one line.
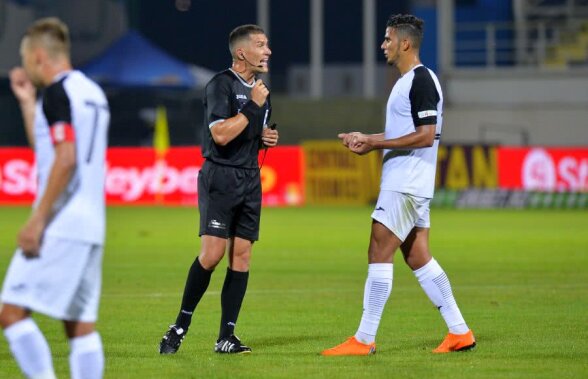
{"points": [[74, 108], [415, 100]]}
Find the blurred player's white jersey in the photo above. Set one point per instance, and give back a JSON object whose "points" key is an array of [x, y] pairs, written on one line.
{"points": [[415, 100], [74, 108]]}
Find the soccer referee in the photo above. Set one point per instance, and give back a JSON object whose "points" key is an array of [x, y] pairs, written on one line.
{"points": [[237, 111]]}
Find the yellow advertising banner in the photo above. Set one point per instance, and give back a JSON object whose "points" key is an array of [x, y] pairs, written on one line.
{"points": [[334, 175], [462, 167]]}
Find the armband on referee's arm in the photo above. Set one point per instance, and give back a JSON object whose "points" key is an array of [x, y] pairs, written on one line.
{"points": [[249, 110]]}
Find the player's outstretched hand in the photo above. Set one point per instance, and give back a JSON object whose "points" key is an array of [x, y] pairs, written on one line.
{"points": [[270, 137], [346, 138], [361, 144], [259, 93], [22, 87]]}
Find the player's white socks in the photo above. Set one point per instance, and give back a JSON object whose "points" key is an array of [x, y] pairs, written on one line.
{"points": [[30, 349], [436, 285], [86, 359], [377, 290]]}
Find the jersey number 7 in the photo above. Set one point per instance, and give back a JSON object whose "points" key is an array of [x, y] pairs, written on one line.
{"points": [[97, 108]]}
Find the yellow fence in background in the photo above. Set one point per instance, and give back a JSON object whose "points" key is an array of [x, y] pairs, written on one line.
{"points": [[334, 175]]}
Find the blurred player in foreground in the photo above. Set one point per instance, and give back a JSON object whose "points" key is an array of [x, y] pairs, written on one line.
{"points": [[57, 267], [401, 216]]}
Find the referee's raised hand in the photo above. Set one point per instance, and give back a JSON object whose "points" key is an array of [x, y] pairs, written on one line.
{"points": [[259, 93]]}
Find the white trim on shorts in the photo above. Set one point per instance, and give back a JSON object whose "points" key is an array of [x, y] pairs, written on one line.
{"points": [[401, 212], [63, 282]]}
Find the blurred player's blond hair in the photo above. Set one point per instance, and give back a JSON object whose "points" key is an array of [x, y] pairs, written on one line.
{"points": [[51, 34]]}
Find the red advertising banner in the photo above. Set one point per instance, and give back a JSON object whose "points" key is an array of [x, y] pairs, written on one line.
{"points": [[543, 169], [18, 176], [136, 176]]}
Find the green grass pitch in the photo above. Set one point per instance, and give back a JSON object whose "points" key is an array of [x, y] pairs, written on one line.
{"points": [[520, 278]]}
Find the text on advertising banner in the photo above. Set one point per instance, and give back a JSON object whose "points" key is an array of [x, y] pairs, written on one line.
{"points": [[543, 169], [137, 176]]}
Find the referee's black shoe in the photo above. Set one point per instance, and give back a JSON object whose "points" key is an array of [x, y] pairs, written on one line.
{"points": [[231, 345], [171, 341]]}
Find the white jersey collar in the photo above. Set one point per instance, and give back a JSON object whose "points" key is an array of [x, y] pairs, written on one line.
{"points": [[413, 68]]}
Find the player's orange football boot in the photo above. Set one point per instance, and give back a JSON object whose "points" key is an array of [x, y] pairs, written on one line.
{"points": [[351, 347], [456, 342]]}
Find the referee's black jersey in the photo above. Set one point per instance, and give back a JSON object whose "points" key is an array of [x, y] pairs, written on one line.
{"points": [[224, 96]]}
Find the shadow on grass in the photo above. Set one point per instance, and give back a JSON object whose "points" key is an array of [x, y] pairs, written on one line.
{"points": [[421, 345], [278, 341]]}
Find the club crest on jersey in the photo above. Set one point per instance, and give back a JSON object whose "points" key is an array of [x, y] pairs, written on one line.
{"points": [[241, 97]]}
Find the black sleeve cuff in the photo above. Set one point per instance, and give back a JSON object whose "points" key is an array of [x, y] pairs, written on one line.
{"points": [[250, 109]]}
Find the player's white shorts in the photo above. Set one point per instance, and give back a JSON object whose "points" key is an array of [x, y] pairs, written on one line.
{"points": [[401, 212], [63, 282]]}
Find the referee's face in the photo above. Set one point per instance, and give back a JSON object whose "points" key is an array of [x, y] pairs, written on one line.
{"points": [[390, 46], [258, 53]]}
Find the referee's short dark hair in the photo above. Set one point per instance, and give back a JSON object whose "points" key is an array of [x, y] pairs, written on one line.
{"points": [[240, 33], [409, 26]]}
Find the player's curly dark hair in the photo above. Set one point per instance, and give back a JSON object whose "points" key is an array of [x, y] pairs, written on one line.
{"points": [[407, 26]]}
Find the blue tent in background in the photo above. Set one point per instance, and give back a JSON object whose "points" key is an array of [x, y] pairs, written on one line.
{"points": [[133, 61]]}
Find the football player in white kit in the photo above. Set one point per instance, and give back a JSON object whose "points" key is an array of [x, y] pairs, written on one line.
{"points": [[401, 217], [56, 269]]}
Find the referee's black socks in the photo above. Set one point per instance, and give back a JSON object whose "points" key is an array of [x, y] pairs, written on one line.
{"points": [[231, 299], [196, 285]]}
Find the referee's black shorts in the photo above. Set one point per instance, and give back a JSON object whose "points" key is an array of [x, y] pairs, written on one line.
{"points": [[229, 201]]}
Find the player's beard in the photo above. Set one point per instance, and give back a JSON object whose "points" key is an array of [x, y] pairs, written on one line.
{"points": [[391, 60]]}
